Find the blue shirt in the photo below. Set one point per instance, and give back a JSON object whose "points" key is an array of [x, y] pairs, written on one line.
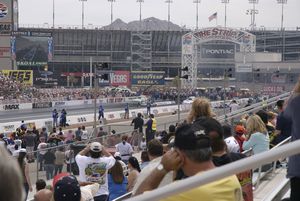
{"points": [[292, 113], [116, 190], [259, 142]]}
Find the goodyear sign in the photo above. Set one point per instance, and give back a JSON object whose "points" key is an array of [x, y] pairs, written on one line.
{"points": [[147, 78], [24, 76]]}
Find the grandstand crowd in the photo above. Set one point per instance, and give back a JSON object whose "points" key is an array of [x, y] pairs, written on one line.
{"points": [[108, 167], [13, 91]]}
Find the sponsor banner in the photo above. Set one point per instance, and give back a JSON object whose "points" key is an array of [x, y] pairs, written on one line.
{"points": [[146, 78], [32, 33], [243, 68], [58, 103], [6, 11], [32, 51], [42, 105], [278, 78], [221, 33], [5, 28], [5, 52], [120, 78], [217, 51], [9, 128], [21, 106], [24, 76], [272, 90], [50, 48]]}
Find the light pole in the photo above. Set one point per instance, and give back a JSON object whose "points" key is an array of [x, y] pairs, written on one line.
{"points": [[225, 2], [252, 12], [197, 13], [169, 19], [82, 12], [53, 13], [282, 2], [140, 2], [111, 10], [186, 69]]}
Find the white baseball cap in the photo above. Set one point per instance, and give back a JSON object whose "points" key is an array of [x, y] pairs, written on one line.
{"points": [[96, 147], [117, 154]]}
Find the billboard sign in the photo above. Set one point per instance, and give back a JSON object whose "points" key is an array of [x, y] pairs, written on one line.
{"points": [[244, 68], [120, 78], [24, 76], [6, 11], [272, 90], [278, 78], [146, 78], [217, 51], [31, 51]]}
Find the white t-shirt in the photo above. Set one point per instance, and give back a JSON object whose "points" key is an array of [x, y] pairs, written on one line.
{"points": [[41, 148], [146, 171], [84, 135], [95, 170], [232, 145], [143, 146], [125, 150], [234, 107]]}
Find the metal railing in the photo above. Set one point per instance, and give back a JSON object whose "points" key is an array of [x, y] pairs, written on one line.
{"points": [[215, 174]]}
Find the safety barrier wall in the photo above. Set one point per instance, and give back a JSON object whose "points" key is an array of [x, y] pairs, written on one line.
{"points": [[88, 118]]}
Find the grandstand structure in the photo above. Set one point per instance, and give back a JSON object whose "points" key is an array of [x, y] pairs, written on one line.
{"points": [[155, 47]]}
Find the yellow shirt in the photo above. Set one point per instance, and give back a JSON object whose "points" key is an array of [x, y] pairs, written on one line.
{"points": [[227, 189]]}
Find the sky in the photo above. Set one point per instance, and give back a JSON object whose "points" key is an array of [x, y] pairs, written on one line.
{"points": [[183, 12]]}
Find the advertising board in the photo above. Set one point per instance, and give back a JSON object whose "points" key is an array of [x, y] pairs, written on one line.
{"points": [[146, 78], [24, 76], [217, 51], [120, 78]]}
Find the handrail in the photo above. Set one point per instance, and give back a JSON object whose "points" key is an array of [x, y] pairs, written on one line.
{"points": [[220, 173]]}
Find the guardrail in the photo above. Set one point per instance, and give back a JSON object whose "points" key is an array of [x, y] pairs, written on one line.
{"points": [[215, 174]]}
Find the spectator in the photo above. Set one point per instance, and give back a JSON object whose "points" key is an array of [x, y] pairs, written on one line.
{"points": [[151, 128], [125, 149], [231, 142], [55, 118], [155, 152], [193, 154], [78, 134], [25, 171], [234, 106], [94, 168], [171, 134], [258, 138], [49, 160], [60, 132], [117, 182], [11, 186], [41, 152], [138, 123], [117, 156], [42, 194], [126, 116], [29, 140], [59, 160], [63, 118], [270, 129], [200, 108], [143, 145], [148, 107], [291, 113], [44, 134], [239, 136], [23, 126], [67, 189], [69, 137], [101, 112], [40, 184], [85, 134], [145, 159], [70, 160], [283, 124], [134, 171]]}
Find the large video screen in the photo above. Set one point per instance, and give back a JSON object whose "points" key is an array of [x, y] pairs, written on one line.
{"points": [[31, 51]]}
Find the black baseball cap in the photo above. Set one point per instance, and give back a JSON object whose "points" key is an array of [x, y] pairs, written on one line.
{"points": [[186, 138]]}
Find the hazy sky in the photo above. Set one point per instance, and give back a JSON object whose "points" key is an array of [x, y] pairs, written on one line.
{"points": [[97, 12]]}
